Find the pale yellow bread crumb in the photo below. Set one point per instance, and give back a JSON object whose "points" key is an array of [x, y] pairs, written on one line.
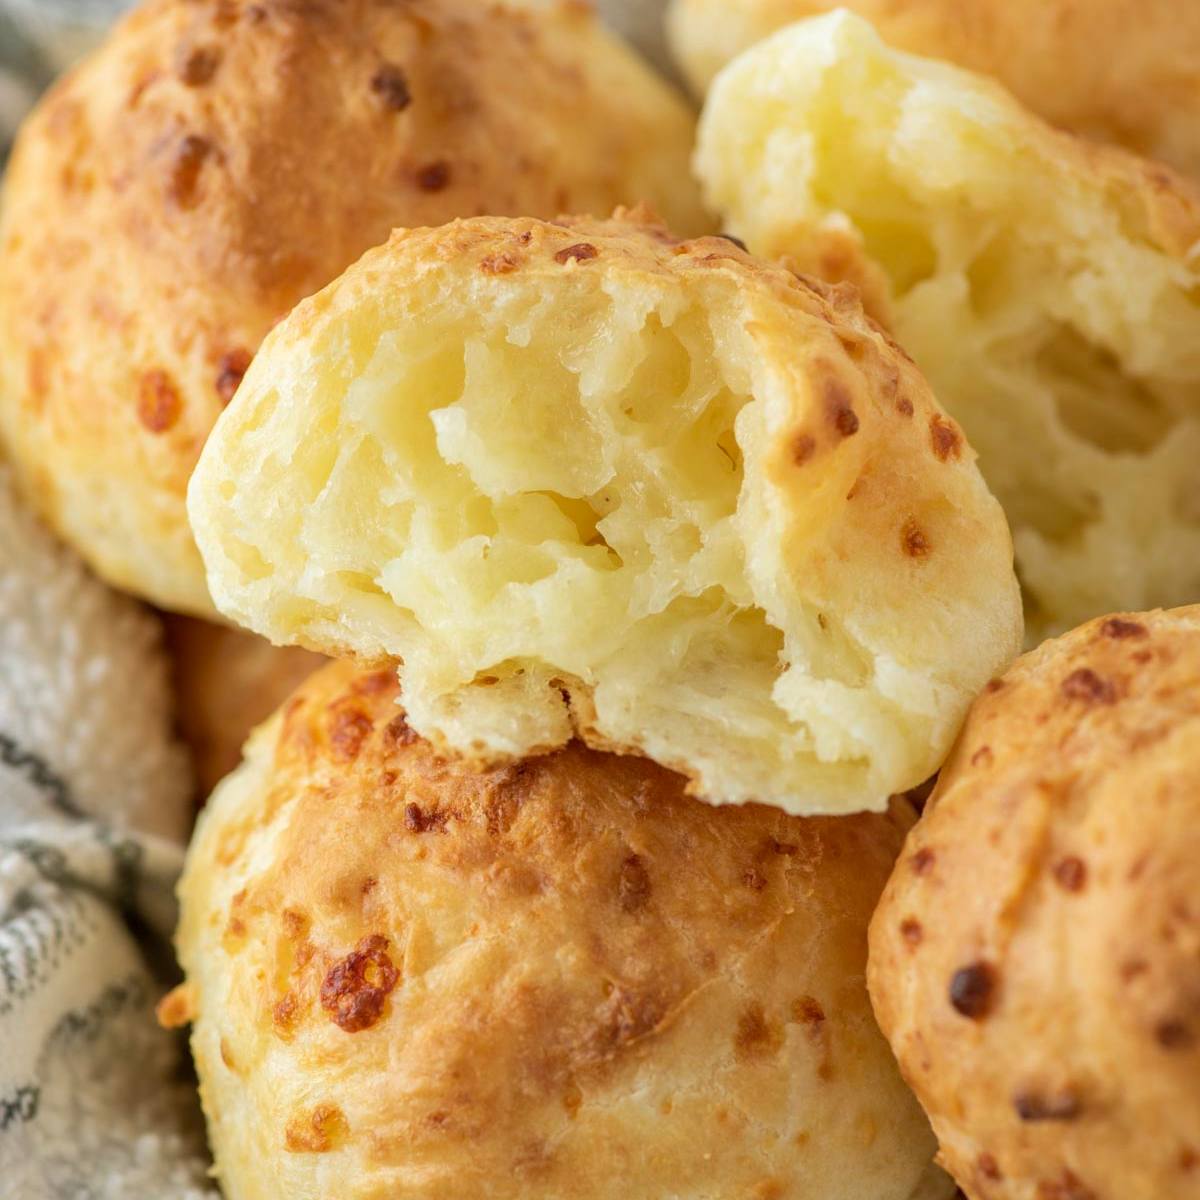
{"points": [[1119, 71]]}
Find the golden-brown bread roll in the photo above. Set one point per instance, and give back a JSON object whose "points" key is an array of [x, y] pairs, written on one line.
{"points": [[1123, 71], [587, 478], [215, 161], [225, 681], [558, 978], [1049, 289], [1035, 960]]}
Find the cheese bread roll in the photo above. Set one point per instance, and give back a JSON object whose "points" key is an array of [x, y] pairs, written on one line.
{"points": [[1121, 71], [225, 682], [563, 977], [585, 478], [1035, 960]]}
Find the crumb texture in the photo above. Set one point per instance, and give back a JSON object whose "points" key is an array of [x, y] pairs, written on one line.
{"points": [[1121, 72]]}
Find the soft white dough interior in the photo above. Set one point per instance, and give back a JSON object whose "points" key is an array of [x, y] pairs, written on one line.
{"points": [[1063, 340], [514, 503]]}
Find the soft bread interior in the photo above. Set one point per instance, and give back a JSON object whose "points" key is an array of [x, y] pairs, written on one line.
{"points": [[1027, 281], [487, 490], [556, 502]]}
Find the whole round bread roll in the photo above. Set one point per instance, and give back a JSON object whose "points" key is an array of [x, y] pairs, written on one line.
{"points": [[1035, 960], [225, 681], [1048, 288], [212, 163], [1122, 71], [584, 478], [558, 978]]}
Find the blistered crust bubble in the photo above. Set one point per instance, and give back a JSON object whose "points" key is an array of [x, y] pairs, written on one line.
{"points": [[586, 478]]}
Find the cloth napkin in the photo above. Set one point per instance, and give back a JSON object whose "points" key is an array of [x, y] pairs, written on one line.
{"points": [[640, 22], [95, 1100]]}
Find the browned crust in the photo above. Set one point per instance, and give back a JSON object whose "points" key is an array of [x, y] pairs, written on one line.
{"points": [[1035, 959], [560, 935]]}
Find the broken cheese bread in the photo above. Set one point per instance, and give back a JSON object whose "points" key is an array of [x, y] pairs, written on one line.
{"points": [[586, 479]]}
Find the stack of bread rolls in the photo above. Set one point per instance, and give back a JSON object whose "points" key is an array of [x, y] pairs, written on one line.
{"points": [[660, 572], [604, 492]]}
